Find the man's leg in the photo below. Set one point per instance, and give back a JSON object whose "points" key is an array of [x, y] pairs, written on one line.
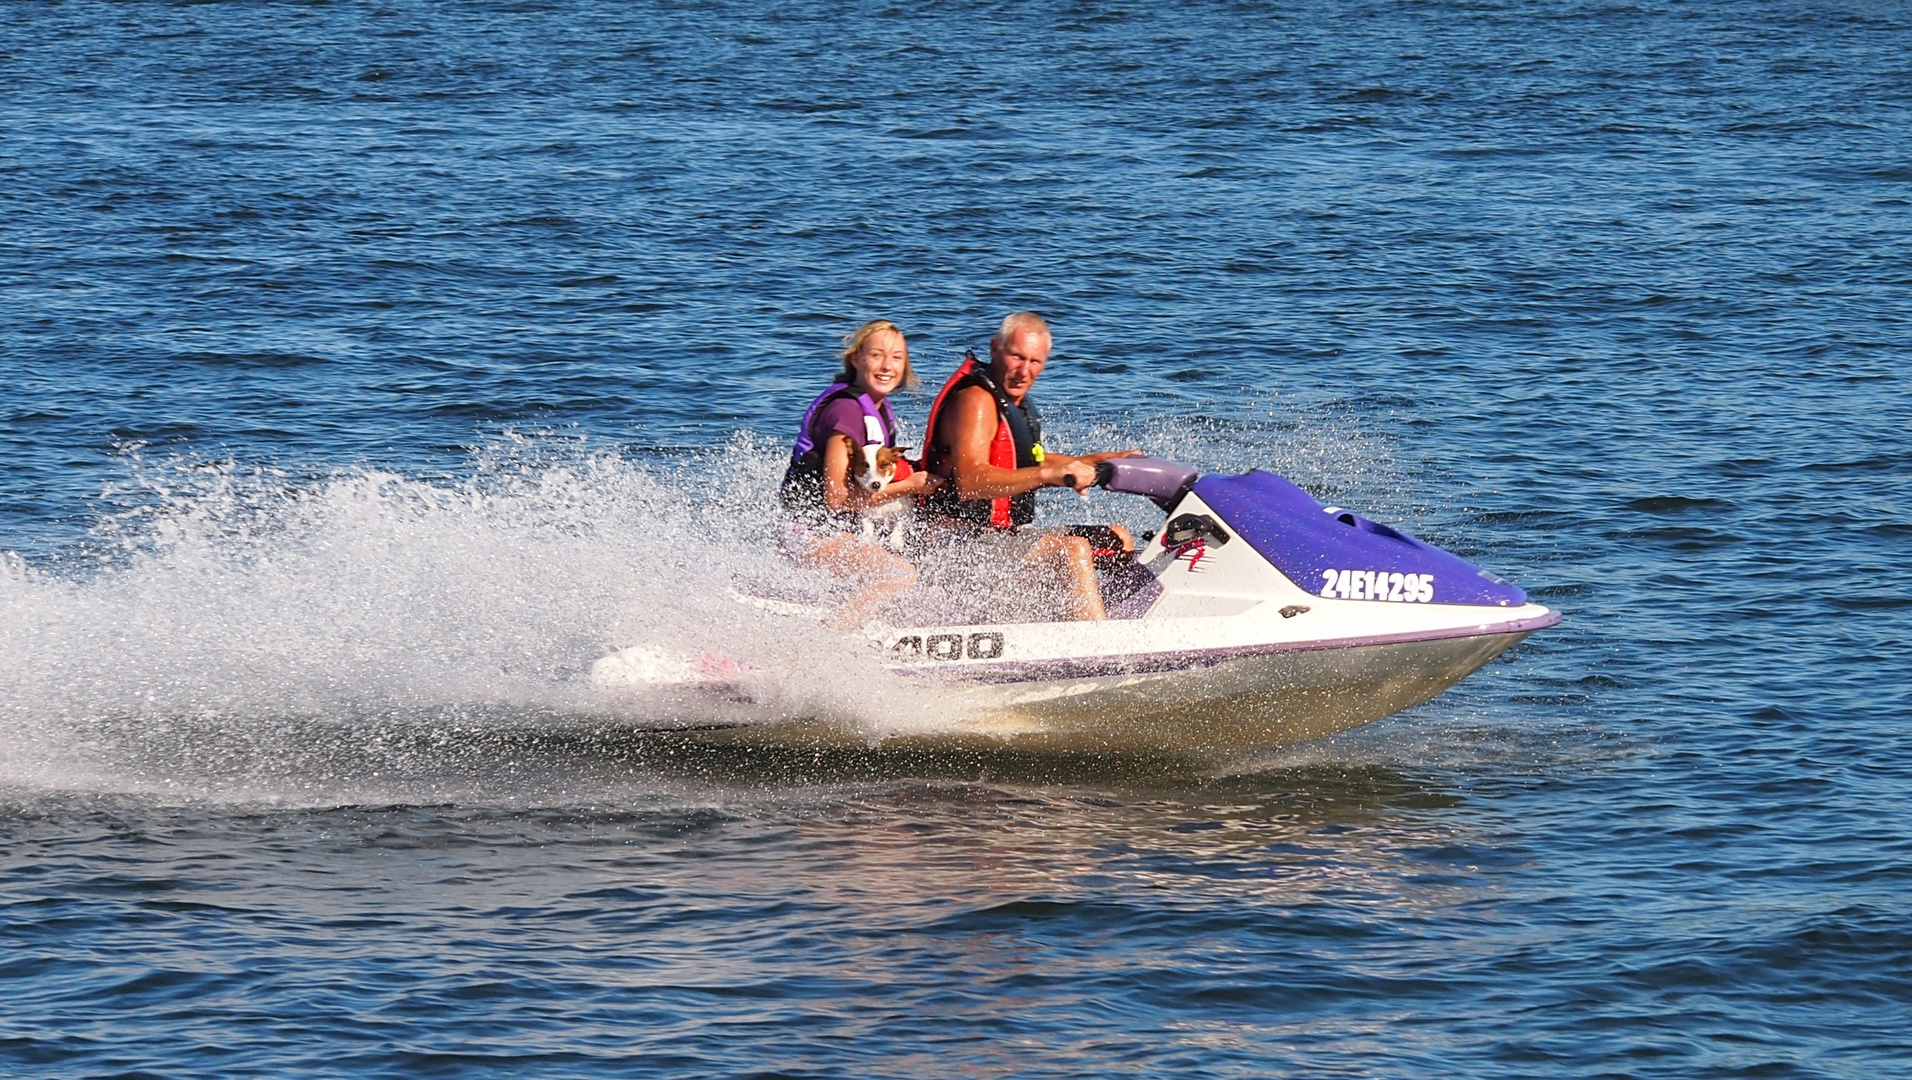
{"points": [[1111, 543]]}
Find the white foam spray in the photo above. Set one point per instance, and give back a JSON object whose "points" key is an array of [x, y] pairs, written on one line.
{"points": [[244, 632]]}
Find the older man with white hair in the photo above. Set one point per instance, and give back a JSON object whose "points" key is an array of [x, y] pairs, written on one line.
{"points": [[984, 436]]}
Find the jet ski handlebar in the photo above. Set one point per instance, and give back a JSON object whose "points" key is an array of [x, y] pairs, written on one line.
{"points": [[1164, 482]]}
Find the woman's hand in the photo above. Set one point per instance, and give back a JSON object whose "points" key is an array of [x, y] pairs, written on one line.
{"points": [[917, 483]]}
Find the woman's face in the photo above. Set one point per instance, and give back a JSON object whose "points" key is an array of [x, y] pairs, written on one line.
{"points": [[881, 362]]}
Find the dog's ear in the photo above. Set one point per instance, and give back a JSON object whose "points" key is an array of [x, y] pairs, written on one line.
{"points": [[888, 456]]}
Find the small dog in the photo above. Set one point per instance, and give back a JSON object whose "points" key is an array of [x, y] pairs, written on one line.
{"points": [[874, 468]]}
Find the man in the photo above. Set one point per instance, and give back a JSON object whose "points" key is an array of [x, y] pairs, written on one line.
{"points": [[985, 438]]}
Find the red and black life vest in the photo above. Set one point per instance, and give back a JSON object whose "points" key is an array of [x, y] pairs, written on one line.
{"points": [[1017, 445]]}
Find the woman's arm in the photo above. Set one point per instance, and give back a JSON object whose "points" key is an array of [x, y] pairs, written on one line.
{"points": [[841, 496], [916, 483]]}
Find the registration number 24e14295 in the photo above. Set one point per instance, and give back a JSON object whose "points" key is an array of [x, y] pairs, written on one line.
{"points": [[1378, 585]]}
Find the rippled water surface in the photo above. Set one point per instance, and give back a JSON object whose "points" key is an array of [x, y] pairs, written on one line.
{"points": [[369, 368]]}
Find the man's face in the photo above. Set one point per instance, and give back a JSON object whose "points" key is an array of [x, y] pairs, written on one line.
{"points": [[1017, 359]]}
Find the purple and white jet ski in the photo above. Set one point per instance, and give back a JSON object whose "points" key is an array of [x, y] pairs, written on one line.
{"points": [[1254, 617]]}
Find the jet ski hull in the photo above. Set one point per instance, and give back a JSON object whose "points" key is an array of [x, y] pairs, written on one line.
{"points": [[1256, 618], [1237, 701], [1203, 702]]}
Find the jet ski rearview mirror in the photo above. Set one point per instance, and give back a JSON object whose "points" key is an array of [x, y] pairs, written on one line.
{"points": [[1184, 528]]}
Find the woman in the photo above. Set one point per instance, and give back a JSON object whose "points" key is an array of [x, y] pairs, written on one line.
{"points": [[851, 416]]}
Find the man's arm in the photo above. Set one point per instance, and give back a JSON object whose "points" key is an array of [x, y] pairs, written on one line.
{"points": [[1092, 460], [969, 426]]}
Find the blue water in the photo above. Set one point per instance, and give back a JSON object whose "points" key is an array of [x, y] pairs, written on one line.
{"points": [[371, 367]]}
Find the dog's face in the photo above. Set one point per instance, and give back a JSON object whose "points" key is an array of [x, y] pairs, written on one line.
{"points": [[882, 466], [875, 466], [871, 467]]}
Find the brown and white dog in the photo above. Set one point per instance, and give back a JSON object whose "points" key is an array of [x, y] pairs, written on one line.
{"points": [[874, 468]]}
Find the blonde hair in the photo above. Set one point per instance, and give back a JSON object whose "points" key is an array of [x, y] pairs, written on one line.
{"points": [[1023, 320], [853, 345]]}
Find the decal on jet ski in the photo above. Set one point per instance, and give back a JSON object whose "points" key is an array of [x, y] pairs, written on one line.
{"points": [[1194, 551], [1378, 585], [984, 645]]}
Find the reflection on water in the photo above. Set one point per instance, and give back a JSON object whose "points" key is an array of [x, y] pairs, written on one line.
{"points": [[935, 856], [986, 927]]}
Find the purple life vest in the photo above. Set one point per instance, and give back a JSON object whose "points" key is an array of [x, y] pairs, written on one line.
{"points": [[802, 488], [879, 425]]}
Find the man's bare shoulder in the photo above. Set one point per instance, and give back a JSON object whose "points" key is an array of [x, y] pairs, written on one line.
{"points": [[971, 404], [976, 395]]}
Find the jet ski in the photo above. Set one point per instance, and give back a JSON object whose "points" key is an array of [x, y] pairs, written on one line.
{"points": [[1254, 617]]}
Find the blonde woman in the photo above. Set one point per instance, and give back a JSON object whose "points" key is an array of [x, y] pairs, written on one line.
{"points": [[849, 419]]}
